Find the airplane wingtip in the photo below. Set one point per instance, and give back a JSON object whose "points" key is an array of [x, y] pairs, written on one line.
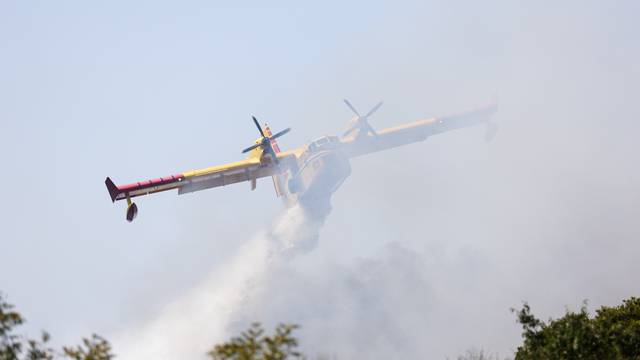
{"points": [[112, 188]]}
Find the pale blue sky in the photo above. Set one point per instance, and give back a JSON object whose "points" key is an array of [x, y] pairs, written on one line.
{"points": [[145, 89]]}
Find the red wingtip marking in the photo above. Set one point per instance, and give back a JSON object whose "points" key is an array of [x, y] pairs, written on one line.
{"points": [[152, 182]]}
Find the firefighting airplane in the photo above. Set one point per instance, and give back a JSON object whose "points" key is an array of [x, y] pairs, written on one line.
{"points": [[309, 174]]}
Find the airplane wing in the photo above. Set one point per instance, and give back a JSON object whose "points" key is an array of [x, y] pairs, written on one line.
{"points": [[196, 180], [416, 131]]}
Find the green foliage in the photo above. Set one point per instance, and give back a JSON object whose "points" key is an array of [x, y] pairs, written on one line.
{"points": [[253, 344], [95, 348], [614, 333], [10, 345], [38, 350], [15, 347], [620, 326]]}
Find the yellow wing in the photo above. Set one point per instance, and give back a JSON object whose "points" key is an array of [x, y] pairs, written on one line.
{"points": [[413, 132], [245, 170], [250, 169]]}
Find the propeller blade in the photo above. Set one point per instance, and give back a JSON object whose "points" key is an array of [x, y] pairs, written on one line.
{"points": [[374, 109], [351, 106], [258, 126], [281, 133], [251, 148]]}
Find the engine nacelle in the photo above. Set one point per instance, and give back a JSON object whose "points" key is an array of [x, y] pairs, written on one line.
{"points": [[132, 211]]}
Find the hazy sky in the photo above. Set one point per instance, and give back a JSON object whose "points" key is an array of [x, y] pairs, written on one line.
{"points": [[547, 212]]}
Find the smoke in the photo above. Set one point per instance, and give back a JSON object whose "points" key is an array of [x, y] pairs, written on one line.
{"points": [[398, 303], [389, 305], [189, 326], [356, 311]]}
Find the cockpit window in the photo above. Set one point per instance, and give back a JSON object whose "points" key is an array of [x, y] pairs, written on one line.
{"points": [[325, 140]]}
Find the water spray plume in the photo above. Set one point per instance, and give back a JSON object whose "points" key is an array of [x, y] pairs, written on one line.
{"points": [[190, 325]]}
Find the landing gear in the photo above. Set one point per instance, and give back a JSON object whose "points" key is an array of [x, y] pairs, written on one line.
{"points": [[132, 210]]}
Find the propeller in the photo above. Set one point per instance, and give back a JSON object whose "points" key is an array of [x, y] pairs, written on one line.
{"points": [[361, 122], [265, 141]]}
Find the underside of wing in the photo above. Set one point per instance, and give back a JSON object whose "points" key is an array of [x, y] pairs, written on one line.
{"points": [[250, 169], [197, 180]]}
